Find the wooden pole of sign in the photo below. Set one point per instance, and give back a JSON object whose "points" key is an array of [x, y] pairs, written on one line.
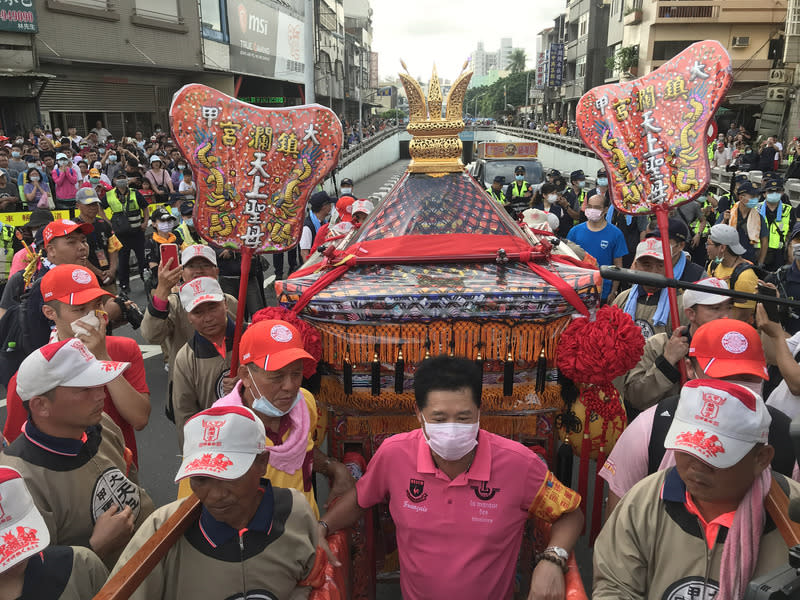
{"points": [[662, 218], [247, 259], [136, 570]]}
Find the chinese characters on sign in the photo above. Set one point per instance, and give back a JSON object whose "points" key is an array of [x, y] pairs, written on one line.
{"points": [[257, 166], [554, 73], [650, 133], [18, 16]]}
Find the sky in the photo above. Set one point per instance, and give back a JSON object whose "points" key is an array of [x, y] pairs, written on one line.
{"points": [[446, 31]]}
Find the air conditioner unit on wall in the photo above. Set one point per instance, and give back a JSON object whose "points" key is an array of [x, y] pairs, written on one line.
{"points": [[777, 93], [780, 76], [740, 41]]}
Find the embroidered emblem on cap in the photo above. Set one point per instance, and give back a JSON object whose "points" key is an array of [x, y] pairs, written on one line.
{"points": [[710, 409], [734, 342], [207, 462], [196, 285], [14, 545], [281, 333], [67, 222], [707, 446], [81, 276], [211, 431]]}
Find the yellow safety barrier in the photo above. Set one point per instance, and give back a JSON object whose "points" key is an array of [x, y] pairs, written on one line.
{"points": [[20, 219]]}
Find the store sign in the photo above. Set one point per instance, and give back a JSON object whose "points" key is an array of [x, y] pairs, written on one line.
{"points": [[263, 100], [265, 42], [555, 65], [541, 66], [18, 16]]}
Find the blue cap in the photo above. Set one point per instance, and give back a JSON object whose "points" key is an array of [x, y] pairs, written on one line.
{"points": [[747, 188], [773, 184], [499, 179], [577, 175]]}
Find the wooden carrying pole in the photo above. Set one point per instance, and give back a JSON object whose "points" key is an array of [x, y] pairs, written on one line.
{"points": [[136, 570]]}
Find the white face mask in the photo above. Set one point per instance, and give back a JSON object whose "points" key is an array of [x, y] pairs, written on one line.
{"points": [[552, 198], [91, 319], [347, 191], [451, 441], [593, 214], [164, 227]]}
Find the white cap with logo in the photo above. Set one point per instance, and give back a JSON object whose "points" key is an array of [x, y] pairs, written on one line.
{"points": [[221, 442], [694, 297], [22, 527], [718, 422], [199, 250], [197, 291], [69, 364]]}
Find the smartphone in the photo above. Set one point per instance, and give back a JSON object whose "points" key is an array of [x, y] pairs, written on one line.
{"points": [[773, 311], [169, 251]]}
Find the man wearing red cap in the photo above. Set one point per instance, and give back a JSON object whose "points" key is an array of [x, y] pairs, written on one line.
{"points": [[71, 453], [700, 529], [252, 540], [270, 375], [725, 349], [202, 367], [74, 301], [165, 321], [32, 569], [64, 243]]}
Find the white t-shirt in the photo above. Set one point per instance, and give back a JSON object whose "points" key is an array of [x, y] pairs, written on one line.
{"points": [[781, 398], [306, 239], [183, 187]]}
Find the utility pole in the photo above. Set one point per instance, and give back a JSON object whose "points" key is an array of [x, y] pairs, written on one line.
{"points": [[308, 39]]}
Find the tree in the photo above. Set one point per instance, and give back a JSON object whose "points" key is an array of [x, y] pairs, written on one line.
{"points": [[517, 60]]}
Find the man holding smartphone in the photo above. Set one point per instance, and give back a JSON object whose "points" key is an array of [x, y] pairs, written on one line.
{"points": [[103, 244]]}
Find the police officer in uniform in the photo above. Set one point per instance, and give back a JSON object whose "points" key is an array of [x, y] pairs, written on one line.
{"points": [[519, 192], [776, 209], [495, 190]]}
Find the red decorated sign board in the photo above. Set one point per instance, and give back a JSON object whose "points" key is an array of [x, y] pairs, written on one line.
{"points": [[651, 133], [254, 167], [508, 150]]}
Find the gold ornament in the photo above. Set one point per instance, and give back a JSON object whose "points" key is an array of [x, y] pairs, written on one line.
{"points": [[435, 146]]}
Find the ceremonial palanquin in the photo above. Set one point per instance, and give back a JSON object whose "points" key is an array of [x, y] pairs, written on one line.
{"points": [[438, 268]]}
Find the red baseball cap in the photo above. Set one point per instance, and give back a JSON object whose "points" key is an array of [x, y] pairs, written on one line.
{"points": [[71, 284], [62, 228], [345, 208], [272, 345], [727, 347]]}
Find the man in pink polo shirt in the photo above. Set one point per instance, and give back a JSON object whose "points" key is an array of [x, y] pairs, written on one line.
{"points": [[460, 496]]}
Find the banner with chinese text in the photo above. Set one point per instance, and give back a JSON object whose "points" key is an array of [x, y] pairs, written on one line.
{"points": [[650, 133], [254, 167]]}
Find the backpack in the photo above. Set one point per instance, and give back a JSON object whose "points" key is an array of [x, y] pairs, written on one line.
{"points": [[14, 338]]}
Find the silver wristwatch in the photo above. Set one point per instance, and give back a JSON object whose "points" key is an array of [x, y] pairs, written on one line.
{"points": [[558, 551]]}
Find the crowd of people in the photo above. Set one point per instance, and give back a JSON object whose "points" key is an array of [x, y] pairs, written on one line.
{"points": [[709, 402]]}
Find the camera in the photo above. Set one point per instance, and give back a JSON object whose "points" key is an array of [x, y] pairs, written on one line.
{"points": [[130, 313]]}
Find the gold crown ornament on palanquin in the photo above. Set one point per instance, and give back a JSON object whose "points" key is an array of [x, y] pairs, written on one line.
{"points": [[435, 146]]}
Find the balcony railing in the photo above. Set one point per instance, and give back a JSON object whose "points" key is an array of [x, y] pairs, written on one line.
{"points": [[686, 10]]}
